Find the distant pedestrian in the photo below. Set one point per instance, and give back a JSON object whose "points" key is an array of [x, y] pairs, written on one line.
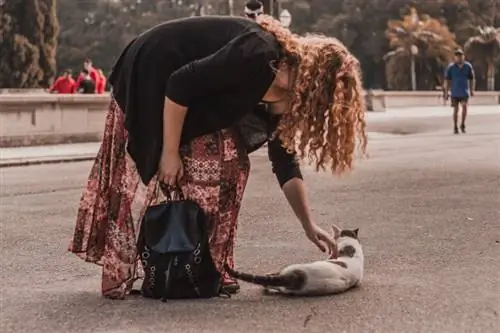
{"points": [[253, 8], [64, 84], [460, 78], [93, 72], [86, 85]]}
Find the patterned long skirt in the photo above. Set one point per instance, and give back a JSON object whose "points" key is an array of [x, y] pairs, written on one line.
{"points": [[216, 170]]}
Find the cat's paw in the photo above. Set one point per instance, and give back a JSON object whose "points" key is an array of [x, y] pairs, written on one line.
{"points": [[270, 291], [266, 291]]}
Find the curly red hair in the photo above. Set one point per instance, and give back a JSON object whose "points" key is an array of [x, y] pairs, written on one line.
{"points": [[325, 121]]}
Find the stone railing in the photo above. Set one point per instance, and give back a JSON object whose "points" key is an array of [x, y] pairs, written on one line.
{"points": [[379, 100], [32, 119], [37, 118]]}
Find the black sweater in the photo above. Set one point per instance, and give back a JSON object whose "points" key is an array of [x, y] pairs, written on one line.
{"points": [[219, 67]]}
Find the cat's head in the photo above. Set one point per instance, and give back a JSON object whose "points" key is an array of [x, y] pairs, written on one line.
{"points": [[348, 243], [339, 233]]}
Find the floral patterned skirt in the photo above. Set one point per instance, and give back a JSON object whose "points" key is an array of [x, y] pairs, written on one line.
{"points": [[216, 169]]}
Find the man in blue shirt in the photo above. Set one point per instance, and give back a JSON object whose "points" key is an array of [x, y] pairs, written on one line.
{"points": [[459, 76]]}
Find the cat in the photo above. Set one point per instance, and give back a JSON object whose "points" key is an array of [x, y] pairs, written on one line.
{"points": [[318, 278]]}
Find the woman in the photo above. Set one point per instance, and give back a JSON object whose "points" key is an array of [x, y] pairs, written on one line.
{"points": [[191, 98]]}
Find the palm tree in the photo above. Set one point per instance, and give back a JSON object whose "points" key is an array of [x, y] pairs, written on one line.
{"points": [[485, 47], [415, 37]]}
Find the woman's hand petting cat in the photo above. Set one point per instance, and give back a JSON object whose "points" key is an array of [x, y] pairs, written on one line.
{"points": [[322, 239]]}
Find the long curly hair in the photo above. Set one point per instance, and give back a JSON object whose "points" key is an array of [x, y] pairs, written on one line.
{"points": [[325, 120]]}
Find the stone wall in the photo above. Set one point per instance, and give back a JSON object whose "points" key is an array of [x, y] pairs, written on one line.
{"points": [[36, 118], [384, 100], [32, 119]]}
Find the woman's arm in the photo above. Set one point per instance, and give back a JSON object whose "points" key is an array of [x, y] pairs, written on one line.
{"points": [[287, 170], [170, 169], [173, 121], [295, 193], [285, 165]]}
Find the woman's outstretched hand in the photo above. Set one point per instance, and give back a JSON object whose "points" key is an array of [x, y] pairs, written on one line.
{"points": [[322, 239], [170, 169]]}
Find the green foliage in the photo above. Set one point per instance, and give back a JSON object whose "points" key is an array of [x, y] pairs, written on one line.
{"points": [[47, 40], [100, 29], [484, 49], [29, 32], [427, 41], [361, 25]]}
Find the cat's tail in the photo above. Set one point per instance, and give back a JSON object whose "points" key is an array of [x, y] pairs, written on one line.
{"points": [[293, 281]]}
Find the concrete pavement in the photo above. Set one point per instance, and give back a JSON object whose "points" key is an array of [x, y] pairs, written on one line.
{"points": [[426, 203], [397, 121]]}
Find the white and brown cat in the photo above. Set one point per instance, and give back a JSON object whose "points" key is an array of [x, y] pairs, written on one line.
{"points": [[318, 278]]}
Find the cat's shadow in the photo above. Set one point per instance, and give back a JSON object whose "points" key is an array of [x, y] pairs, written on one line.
{"points": [[271, 293]]}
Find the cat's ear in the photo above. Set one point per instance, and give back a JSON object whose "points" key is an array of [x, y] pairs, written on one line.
{"points": [[336, 231], [356, 232]]}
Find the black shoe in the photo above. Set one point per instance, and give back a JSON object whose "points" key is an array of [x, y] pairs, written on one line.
{"points": [[456, 130], [462, 128], [231, 288]]}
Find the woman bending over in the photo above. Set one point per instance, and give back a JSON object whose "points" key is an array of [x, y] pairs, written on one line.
{"points": [[191, 99]]}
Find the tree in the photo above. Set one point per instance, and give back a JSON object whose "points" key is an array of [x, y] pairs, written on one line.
{"points": [[29, 30], [361, 26], [418, 38], [485, 48], [47, 40], [100, 29]]}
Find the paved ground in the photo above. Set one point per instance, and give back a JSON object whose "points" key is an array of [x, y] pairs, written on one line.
{"points": [[395, 121], [426, 202]]}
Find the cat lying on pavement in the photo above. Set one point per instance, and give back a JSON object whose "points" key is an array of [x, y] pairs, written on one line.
{"points": [[318, 278]]}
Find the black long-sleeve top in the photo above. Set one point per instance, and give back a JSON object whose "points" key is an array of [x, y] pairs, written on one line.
{"points": [[218, 67]]}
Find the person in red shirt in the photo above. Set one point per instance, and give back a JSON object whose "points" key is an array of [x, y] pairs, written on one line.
{"points": [[64, 84], [94, 74], [101, 87]]}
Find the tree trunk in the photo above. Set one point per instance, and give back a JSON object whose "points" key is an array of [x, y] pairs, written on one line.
{"points": [[20, 41], [413, 74], [268, 7], [230, 6], [48, 42], [490, 76]]}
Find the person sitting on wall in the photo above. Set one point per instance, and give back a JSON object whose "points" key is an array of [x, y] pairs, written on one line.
{"points": [[64, 84], [93, 72], [86, 85], [101, 84]]}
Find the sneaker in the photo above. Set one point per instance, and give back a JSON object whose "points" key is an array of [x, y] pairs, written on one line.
{"points": [[455, 130], [462, 128]]}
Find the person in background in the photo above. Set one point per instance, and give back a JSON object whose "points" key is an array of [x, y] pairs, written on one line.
{"points": [[460, 79], [93, 72], [64, 84], [253, 8], [86, 84], [101, 84]]}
